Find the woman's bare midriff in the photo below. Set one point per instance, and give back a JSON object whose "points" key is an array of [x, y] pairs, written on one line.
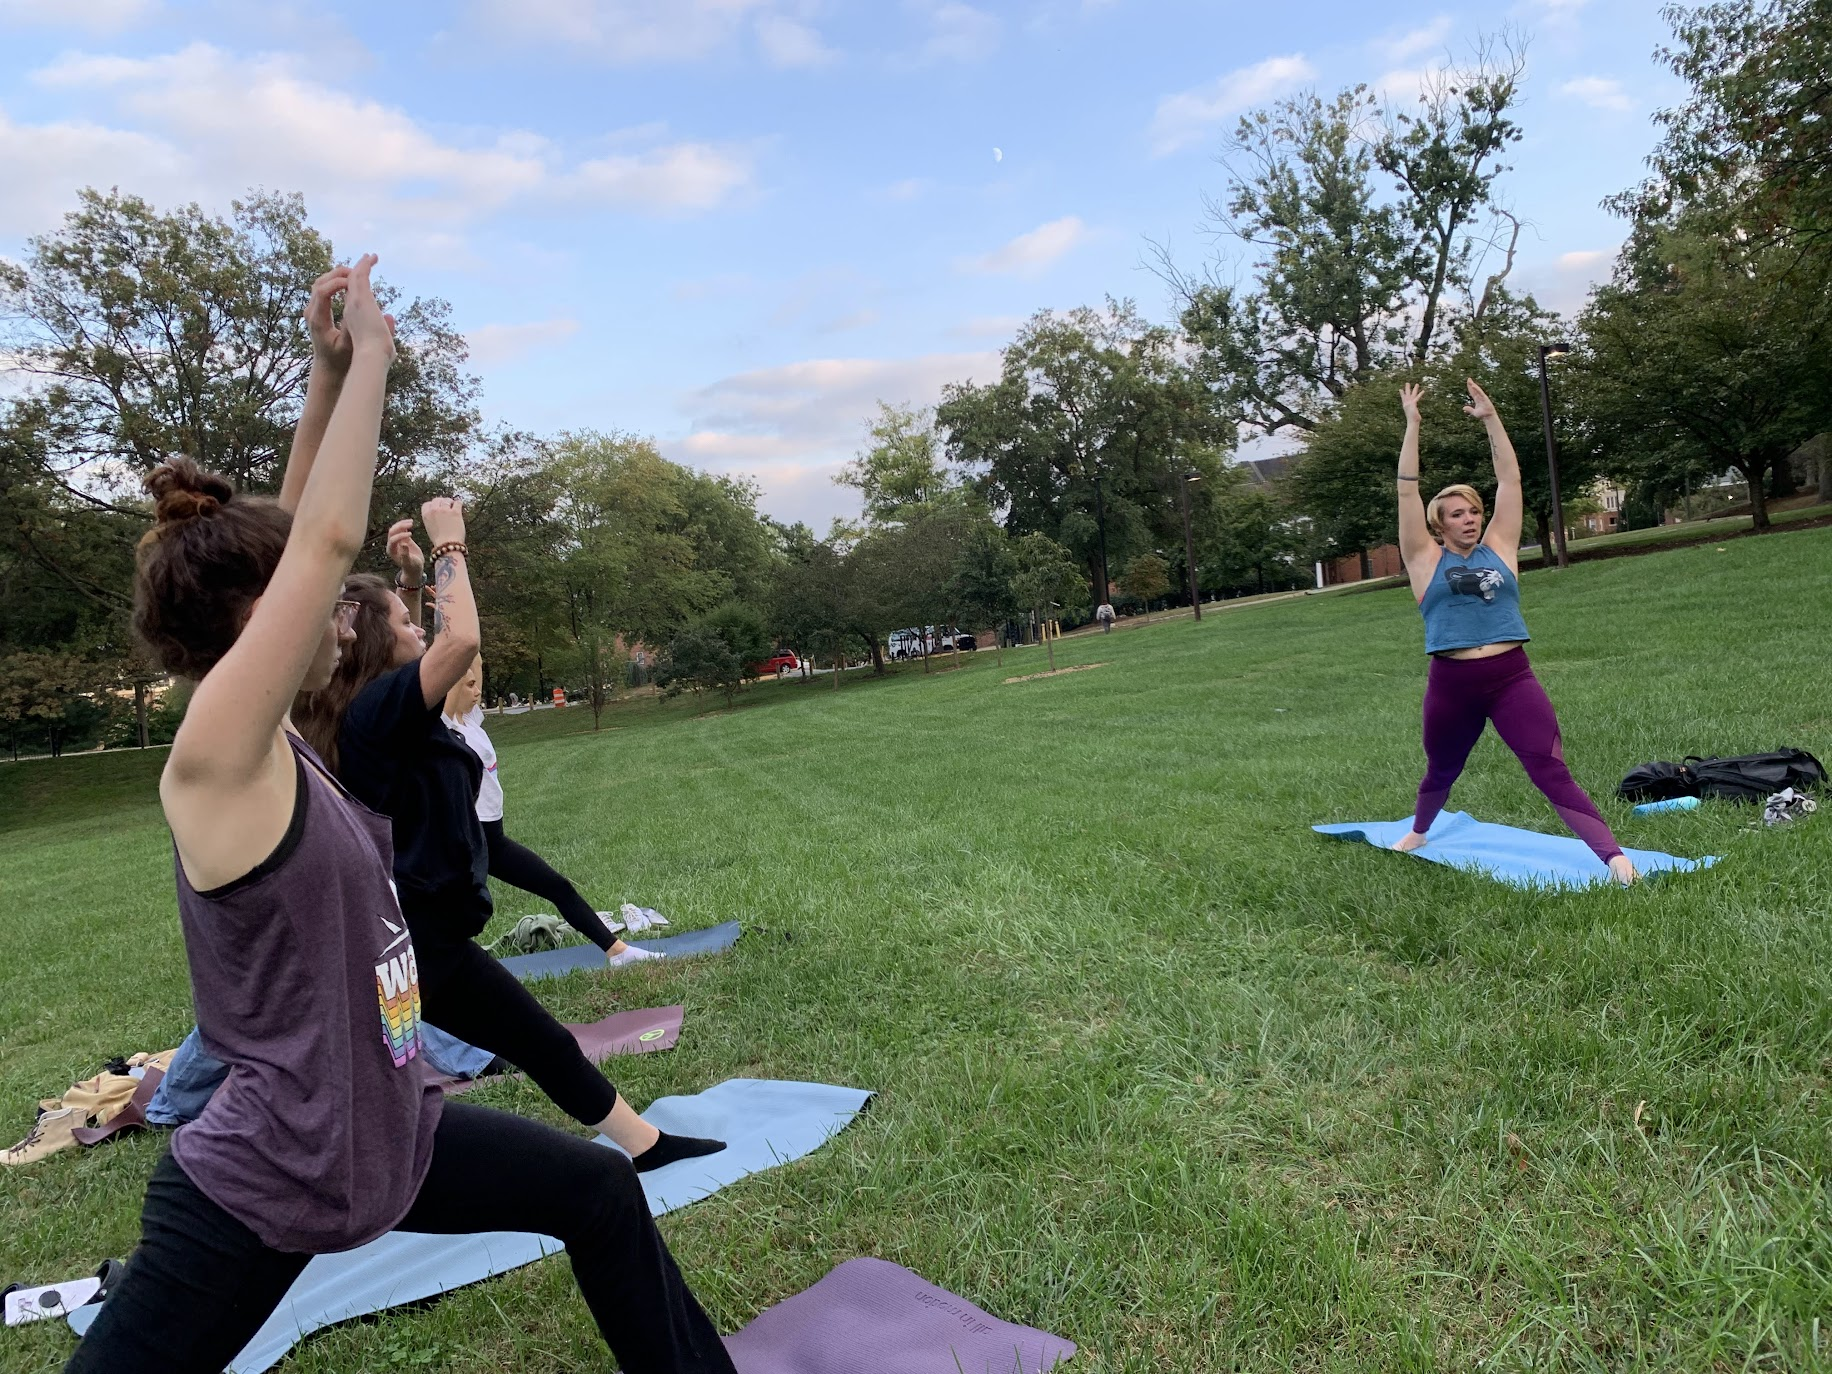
{"points": [[1481, 650]]}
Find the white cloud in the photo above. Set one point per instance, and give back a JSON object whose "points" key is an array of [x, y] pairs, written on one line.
{"points": [[44, 165], [989, 327], [790, 43], [910, 188], [1420, 40], [1598, 92], [1032, 253], [494, 345], [1563, 284], [619, 31], [1190, 116], [634, 32], [91, 16], [791, 427], [958, 32], [684, 176], [410, 182], [1404, 86]]}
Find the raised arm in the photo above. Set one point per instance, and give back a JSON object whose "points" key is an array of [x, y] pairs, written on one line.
{"points": [[227, 739], [410, 568], [456, 636], [1503, 533], [330, 365], [1416, 545]]}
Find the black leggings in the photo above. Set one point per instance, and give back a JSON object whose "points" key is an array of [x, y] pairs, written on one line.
{"points": [[519, 866], [201, 1283], [466, 992]]}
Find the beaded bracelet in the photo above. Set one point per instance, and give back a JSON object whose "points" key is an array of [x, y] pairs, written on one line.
{"points": [[453, 547], [401, 586]]}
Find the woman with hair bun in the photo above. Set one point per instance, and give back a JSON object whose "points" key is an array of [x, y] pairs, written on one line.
{"points": [[327, 1133], [1467, 584]]}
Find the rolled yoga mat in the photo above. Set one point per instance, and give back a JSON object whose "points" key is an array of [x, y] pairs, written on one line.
{"points": [[870, 1314], [764, 1122], [622, 1032], [1520, 858], [553, 963]]}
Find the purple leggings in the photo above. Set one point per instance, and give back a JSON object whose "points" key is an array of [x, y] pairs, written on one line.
{"points": [[1464, 694]]}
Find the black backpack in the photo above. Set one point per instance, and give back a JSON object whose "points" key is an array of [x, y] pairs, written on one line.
{"points": [[1745, 778]]}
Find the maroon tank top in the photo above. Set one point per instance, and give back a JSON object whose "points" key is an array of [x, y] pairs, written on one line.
{"points": [[306, 986]]}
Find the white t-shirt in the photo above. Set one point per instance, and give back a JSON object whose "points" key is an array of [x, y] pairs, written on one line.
{"points": [[490, 795]]}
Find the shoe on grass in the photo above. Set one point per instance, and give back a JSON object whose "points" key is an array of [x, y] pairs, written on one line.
{"points": [[49, 1134]]}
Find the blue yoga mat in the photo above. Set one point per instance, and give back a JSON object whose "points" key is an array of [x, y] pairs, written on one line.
{"points": [[553, 963], [764, 1122], [1520, 858]]}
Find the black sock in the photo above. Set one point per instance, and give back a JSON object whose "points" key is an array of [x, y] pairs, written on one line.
{"points": [[668, 1148]]}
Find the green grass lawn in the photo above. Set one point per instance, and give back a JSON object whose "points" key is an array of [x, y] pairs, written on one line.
{"points": [[1158, 1068]]}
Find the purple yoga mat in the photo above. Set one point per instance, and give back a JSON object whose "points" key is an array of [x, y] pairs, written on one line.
{"points": [[870, 1314], [622, 1032]]}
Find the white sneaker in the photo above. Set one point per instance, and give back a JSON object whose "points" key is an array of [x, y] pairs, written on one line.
{"points": [[631, 955], [611, 923], [641, 917]]}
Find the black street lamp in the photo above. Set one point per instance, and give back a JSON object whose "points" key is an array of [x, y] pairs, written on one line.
{"points": [[1189, 543], [1552, 350]]}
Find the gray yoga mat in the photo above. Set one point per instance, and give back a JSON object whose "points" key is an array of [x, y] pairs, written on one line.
{"points": [[870, 1314], [554, 963], [764, 1122]]}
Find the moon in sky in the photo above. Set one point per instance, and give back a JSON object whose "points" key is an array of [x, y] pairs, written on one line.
{"points": [[998, 155]]}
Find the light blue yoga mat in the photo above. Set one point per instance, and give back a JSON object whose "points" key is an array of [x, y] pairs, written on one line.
{"points": [[1520, 858], [763, 1122], [553, 963]]}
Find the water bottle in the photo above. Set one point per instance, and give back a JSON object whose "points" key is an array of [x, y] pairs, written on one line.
{"points": [[1670, 804]]}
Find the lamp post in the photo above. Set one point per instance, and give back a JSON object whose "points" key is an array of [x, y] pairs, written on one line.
{"points": [[1189, 543], [1552, 350]]}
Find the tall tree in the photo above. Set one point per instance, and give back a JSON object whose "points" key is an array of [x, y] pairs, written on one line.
{"points": [[628, 570], [901, 465], [1445, 157], [1350, 276], [979, 590], [1080, 435], [1045, 579], [1747, 148], [1147, 577], [1704, 345]]}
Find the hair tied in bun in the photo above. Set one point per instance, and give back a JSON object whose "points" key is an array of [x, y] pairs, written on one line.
{"points": [[183, 491]]}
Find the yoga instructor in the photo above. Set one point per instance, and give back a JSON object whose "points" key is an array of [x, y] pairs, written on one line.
{"points": [[1468, 590]]}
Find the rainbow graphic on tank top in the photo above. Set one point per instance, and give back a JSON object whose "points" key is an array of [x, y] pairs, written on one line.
{"points": [[397, 987]]}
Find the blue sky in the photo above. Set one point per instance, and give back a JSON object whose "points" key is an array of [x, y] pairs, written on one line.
{"points": [[735, 224]]}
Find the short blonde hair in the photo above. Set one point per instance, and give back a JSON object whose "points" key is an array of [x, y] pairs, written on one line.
{"points": [[1469, 494]]}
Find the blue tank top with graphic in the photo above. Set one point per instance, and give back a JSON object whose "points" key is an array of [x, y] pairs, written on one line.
{"points": [[1471, 602]]}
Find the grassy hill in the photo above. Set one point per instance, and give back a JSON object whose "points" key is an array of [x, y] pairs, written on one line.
{"points": [[1158, 1068]]}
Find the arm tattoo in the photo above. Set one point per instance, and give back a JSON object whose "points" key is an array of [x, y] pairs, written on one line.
{"points": [[445, 572]]}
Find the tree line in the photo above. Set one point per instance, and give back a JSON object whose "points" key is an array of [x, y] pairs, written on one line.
{"points": [[1358, 246]]}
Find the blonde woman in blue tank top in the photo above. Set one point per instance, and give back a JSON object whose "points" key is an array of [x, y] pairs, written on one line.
{"points": [[1467, 583]]}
